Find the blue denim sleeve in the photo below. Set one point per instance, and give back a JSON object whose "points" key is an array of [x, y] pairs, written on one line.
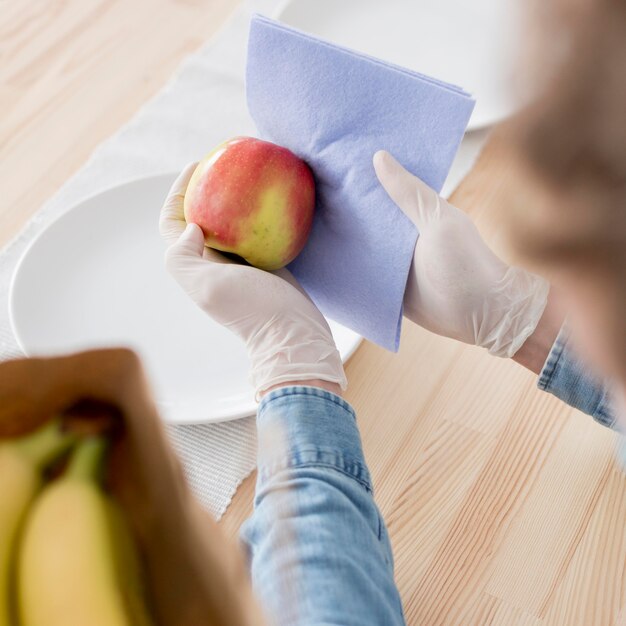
{"points": [[567, 377], [318, 548]]}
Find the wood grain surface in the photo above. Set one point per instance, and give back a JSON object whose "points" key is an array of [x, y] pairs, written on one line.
{"points": [[71, 73], [504, 506]]}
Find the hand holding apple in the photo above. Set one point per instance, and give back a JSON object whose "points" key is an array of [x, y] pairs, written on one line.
{"points": [[287, 338], [254, 199]]}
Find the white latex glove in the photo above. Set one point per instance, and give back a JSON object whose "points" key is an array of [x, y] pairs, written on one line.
{"points": [[286, 336], [457, 287]]}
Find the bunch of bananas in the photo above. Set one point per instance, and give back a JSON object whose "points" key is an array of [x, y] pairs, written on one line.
{"points": [[66, 553]]}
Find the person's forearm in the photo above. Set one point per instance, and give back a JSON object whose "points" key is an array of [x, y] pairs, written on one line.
{"points": [[561, 370], [534, 352], [319, 551]]}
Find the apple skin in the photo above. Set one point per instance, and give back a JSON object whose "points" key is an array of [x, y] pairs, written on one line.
{"points": [[254, 199]]}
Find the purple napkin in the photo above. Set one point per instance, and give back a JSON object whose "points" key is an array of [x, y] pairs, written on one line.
{"points": [[335, 108]]}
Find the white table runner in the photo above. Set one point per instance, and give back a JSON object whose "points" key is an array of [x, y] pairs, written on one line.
{"points": [[202, 105]]}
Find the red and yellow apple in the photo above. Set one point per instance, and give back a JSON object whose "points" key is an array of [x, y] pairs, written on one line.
{"points": [[254, 199]]}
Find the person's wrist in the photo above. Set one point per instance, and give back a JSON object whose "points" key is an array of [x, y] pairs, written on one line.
{"points": [[535, 350], [322, 384]]}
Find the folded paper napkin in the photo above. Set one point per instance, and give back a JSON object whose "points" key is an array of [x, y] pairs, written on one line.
{"points": [[335, 108]]}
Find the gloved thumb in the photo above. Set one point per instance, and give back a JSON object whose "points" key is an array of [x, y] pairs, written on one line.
{"points": [[413, 196], [191, 242], [186, 252]]}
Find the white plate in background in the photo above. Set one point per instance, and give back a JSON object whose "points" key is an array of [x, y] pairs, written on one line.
{"points": [[469, 43], [95, 278]]}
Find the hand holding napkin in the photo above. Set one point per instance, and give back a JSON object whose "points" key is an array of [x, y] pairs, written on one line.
{"points": [[335, 108]]}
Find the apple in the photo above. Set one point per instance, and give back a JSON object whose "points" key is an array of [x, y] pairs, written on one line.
{"points": [[254, 199]]}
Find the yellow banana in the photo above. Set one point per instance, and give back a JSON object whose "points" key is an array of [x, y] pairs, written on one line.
{"points": [[21, 463], [78, 564]]}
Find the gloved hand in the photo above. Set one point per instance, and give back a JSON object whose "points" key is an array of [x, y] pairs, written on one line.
{"points": [[286, 336], [457, 287]]}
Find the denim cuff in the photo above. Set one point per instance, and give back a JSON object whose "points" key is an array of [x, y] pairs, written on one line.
{"points": [[567, 377], [308, 427]]}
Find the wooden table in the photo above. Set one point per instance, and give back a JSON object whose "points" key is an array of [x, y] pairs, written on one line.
{"points": [[504, 506]]}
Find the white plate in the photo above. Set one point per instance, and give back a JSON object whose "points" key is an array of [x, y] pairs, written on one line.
{"points": [[95, 277], [470, 43]]}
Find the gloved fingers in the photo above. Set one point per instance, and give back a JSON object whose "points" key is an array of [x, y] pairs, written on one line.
{"points": [[185, 256], [199, 274], [215, 256], [413, 196], [189, 250], [172, 219], [189, 244]]}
